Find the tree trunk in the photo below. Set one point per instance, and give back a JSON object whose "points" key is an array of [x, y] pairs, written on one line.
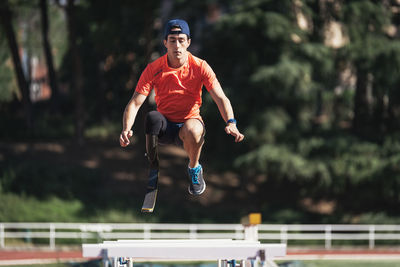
{"points": [[148, 48], [6, 22], [49, 57], [361, 121], [379, 112], [77, 80], [394, 109]]}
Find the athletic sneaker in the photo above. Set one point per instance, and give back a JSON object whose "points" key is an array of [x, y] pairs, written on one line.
{"points": [[197, 185]]}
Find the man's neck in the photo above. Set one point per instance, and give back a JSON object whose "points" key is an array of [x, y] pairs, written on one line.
{"points": [[177, 62]]}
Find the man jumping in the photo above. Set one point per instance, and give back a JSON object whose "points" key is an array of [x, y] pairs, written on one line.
{"points": [[177, 79]]}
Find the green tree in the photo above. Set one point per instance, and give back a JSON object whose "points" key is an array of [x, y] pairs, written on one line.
{"points": [[274, 65], [281, 77]]}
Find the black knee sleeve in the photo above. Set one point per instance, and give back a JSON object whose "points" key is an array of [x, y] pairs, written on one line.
{"points": [[155, 122]]}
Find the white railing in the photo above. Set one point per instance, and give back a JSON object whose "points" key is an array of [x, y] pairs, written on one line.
{"points": [[266, 233], [328, 233]]}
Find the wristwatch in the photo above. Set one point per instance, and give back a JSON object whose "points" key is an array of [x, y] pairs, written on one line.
{"points": [[230, 121]]}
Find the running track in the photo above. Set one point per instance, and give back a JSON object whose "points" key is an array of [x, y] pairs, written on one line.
{"points": [[20, 257]]}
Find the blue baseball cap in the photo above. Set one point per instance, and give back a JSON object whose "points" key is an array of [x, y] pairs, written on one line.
{"points": [[176, 23]]}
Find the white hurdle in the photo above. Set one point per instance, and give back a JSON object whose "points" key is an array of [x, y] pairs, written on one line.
{"points": [[123, 251]]}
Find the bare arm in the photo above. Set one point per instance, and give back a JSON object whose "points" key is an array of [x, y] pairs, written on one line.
{"points": [[225, 108], [128, 120]]}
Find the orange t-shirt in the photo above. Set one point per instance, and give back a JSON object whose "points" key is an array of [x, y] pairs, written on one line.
{"points": [[177, 91]]}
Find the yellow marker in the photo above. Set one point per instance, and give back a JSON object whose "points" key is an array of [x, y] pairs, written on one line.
{"points": [[252, 219], [255, 218]]}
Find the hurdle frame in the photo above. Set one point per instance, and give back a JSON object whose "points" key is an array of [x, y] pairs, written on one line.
{"points": [[227, 252]]}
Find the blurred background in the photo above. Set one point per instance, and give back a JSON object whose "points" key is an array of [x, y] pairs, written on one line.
{"points": [[314, 85]]}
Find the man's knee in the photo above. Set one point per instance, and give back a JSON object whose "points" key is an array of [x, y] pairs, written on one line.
{"points": [[193, 130], [153, 122]]}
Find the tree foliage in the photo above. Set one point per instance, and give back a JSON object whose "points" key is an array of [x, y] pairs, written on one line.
{"points": [[299, 127]]}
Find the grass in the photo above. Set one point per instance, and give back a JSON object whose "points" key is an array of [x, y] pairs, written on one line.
{"points": [[17, 208], [22, 208]]}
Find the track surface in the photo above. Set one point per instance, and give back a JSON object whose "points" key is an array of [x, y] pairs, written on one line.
{"points": [[15, 257]]}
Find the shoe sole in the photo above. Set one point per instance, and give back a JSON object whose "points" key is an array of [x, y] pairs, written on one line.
{"points": [[204, 189]]}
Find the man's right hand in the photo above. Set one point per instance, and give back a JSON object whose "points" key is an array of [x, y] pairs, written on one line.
{"points": [[124, 138]]}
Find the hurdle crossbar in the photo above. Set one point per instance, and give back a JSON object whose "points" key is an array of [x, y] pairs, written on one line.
{"points": [[185, 250]]}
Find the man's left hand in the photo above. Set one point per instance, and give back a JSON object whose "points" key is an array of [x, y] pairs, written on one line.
{"points": [[233, 130]]}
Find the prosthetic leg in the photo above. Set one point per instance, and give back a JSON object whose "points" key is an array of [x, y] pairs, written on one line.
{"points": [[152, 150], [152, 185]]}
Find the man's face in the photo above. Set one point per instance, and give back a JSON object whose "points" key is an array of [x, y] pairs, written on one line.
{"points": [[177, 45]]}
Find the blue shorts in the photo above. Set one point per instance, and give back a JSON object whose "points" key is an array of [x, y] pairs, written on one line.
{"points": [[171, 134], [167, 131]]}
